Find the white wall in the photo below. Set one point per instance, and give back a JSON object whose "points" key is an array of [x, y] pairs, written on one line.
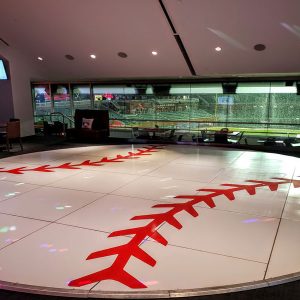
{"points": [[6, 102], [22, 71]]}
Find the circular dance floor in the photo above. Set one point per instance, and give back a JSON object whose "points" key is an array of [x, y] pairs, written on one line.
{"points": [[148, 221]]}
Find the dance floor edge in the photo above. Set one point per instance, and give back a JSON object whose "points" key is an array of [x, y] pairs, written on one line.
{"points": [[78, 293], [148, 221]]}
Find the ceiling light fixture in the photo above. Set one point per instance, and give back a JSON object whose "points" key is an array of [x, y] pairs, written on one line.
{"points": [[40, 58], [154, 52], [93, 56], [218, 49]]}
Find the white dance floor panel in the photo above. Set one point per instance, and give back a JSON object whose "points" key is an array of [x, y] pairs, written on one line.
{"points": [[148, 221]]}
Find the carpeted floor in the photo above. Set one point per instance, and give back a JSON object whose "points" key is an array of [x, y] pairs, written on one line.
{"points": [[39, 143]]}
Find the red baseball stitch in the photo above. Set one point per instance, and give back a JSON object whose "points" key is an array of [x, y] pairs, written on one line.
{"points": [[124, 252], [148, 150]]}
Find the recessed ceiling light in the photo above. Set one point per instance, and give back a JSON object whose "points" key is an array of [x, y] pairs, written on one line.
{"points": [[154, 52], [218, 49], [93, 56], [40, 58]]}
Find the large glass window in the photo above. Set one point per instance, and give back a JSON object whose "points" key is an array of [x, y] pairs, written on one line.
{"points": [[206, 107], [61, 98], [257, 106], [285, 104], [81, 95], [41, 100], [250, 104]]}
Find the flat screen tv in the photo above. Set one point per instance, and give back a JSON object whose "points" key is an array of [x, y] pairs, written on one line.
{"points": [[225, 100], [3, 74]]}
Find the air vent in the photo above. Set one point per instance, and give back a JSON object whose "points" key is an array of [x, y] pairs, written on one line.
{"points": [[69, 57], [4, 42], [178, 39]]}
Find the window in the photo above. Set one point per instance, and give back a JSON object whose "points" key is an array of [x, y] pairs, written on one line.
{"points": [[81, 95], [42, 100], [61, 98]]}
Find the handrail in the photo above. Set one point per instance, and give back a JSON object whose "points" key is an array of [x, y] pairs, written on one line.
{"points": [[63, 120], [266, 126], [206, 121], [267, 131], [61, 114], [180, 121]]}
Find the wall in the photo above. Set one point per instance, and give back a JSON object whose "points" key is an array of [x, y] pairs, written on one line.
{"points": [[6, 97], [19, 105]]}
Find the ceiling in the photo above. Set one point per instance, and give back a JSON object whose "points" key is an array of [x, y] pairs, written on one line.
{"points": [[185, 34]]}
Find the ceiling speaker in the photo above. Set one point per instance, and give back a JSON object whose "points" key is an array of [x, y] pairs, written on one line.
{"points": [[298, 87], [161, 89], [229, 87], [289, 83], [141, 89]]}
